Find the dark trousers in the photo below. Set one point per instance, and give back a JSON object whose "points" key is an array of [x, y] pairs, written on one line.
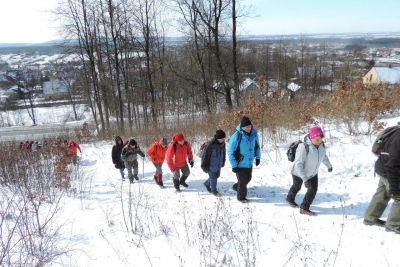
{"points": [[312, 188], [243, 176]]}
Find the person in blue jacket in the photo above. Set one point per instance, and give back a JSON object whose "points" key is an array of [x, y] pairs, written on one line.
{"points": [[242, 150]]}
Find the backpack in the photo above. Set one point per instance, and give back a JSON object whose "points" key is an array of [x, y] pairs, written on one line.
{"points": [[201, 150], [238, 156], [380, 140], [291, 151]]}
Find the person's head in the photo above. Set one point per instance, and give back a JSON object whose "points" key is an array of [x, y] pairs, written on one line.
{"points": [[118, 140], [220, 136], [316, 135], [132, 142], [179, 138], [163, 142], [71, 142], [245, 124]]}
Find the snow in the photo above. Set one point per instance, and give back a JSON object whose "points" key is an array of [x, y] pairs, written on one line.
{"points": [[194, 228]]}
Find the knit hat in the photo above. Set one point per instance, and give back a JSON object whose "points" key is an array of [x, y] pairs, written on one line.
{"points": [[219, 134], [163, 142], [132, 142], [315, 132], [245, 121], [179, 137]]}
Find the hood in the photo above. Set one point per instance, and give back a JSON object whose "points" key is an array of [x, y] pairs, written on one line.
{"points": [[116, 139]]}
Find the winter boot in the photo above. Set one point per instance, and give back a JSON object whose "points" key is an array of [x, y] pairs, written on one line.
{"points": [[207, 187], [176, 185], [160, 181], [182, 181], [216, 193], [155, 178], [136, 177], [292, 203], [234, 187], [307, 212]]}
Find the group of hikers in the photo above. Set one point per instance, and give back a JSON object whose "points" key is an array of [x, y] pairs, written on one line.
{"points": [[244, 150]]}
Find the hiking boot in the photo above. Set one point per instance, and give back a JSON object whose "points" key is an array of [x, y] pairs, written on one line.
{"points": [[307, 212], [394, 230], [177, 190], [244, 200], [234, 187], [136, 177], [183, 183], [292, 204], [131, 180], [216, 193], [207, 187], [377, 222]]}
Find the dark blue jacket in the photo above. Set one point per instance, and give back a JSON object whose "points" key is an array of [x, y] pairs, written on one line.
{"points": [[213, 158]]}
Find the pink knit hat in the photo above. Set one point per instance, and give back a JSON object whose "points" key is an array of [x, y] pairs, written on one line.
{"points": [[315, 132]]}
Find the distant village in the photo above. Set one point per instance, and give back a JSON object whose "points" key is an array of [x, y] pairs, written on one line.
{"points": [[50, 77]]}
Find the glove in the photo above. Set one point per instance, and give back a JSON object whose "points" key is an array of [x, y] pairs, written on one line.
{"points": [[235, 170], [191, 162], [257, 162], [394, 194], [330, 169]]}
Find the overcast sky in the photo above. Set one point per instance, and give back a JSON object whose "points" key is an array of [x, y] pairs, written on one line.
{"points": [[25, 20]]}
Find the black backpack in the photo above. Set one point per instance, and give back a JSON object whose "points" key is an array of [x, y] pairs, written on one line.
{"points": [[380, 140], [291, 151]]}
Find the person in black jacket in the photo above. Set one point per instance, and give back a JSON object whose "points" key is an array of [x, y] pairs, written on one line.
{"points": [[387, 167], [116, 155], [212, 160]]}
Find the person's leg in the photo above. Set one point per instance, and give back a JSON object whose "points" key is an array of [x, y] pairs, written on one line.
{"points": [[294, 189], [244, 177], [378, 202], [121, 171], [158, 172], [129, 167], [177, 175], [185, 174], [135, 165], [312, 188], [213, 180]]}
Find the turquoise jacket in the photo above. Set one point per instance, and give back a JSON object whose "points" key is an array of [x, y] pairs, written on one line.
{"points": [[249, 148]]}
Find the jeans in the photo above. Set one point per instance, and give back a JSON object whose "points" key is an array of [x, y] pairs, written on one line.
{"points": [[158, 168], [212, 180], [121, 171]]}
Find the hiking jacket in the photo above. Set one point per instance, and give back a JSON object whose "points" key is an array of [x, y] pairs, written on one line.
{"points": [[157, 153], [249, 148], [129, 154], [73, 148], [388, 166], [214, 156], [116, 154], [305, 164], [176, 154]]}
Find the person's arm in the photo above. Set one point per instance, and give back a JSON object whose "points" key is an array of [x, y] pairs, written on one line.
{"points": [[300, 161]]}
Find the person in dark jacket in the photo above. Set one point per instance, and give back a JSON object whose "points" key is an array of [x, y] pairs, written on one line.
{"points": [[177, 153], [212, 160], [387, 167], [309, 156], [242, 165], [116, 155], [129, 157]]}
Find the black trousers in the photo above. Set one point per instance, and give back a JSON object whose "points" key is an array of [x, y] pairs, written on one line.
{"points": [[243, 176], [312, 188]]}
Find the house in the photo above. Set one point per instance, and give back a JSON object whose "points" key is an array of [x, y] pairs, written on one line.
{"points": [[387, 74]]}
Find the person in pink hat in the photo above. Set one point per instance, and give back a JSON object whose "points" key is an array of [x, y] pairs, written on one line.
{"points": [[309, 156]]}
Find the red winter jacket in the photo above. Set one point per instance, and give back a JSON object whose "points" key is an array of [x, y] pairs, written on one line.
{"points": [[157, 153], [176, 158], [73, 148]]}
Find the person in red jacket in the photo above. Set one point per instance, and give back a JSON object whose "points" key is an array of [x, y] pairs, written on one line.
{"points": [[72, 150], [177, 153], [156, 154]]}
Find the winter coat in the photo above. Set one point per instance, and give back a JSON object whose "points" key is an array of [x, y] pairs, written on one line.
{"points": [[157, 153], [388, 166], [116, 154], [249, 148], [214, 156], [129, 154], [73, 148], [176, 154], [305, 164]]}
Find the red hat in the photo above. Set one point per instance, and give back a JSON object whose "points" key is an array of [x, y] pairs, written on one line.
{"points": [[315, 132], [178, 137]]}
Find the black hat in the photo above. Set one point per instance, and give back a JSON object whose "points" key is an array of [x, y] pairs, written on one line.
{"points": [[219, 134], [245, 121], [163, 142], [132, 142]]}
